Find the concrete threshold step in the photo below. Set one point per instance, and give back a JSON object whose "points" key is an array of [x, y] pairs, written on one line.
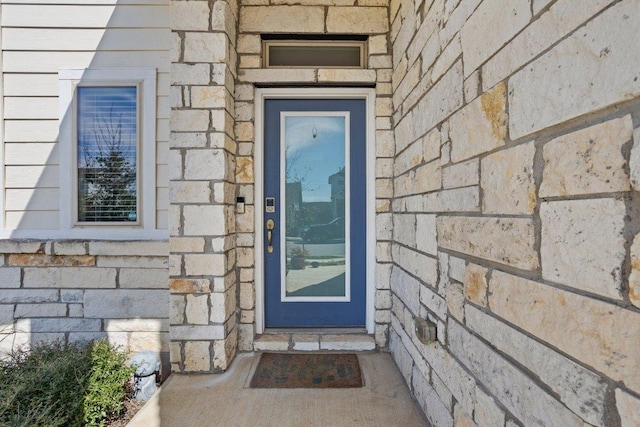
{"points": [[314, 342]]}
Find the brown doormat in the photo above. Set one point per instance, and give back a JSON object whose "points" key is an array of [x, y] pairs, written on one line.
{"points": [[280, 370]]}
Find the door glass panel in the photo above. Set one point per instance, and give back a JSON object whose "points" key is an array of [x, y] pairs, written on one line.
{"points": [[316, 208]]}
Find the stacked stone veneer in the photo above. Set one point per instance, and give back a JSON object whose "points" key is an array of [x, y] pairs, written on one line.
{"points": [[515, 210], [202, 188], [72, 291], [312, 17]]}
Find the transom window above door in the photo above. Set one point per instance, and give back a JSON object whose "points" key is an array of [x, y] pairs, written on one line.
{"points": [[312, 53]]}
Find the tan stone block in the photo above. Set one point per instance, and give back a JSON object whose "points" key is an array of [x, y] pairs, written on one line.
{"points": [[361, 20], [204, 264], [197, 309], [634, 160], [189, 191], [39, 260], [210, 97], [583, 244], [507, 181], [277, 76], [244, 170], [204, 164], [205, 47], [378, 44], [490, 27], [508, 241], [346, 76], [196, 356], [249, 43], [189, 286], [204, 220], [634, 277], [627, 409], [567, 81], [132, 248], [69, 248], [596, 333], [189, 120], [588, 161], [562, 18], [189, 16], [461, 174], [250, 61], [480, 126], [475, 284], [420, 180], [272, 19]]}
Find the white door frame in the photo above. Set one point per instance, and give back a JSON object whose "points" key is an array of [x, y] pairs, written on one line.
{"points": [[315, 93]]}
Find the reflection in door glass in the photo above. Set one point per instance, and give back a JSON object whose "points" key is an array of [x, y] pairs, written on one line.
{"points": [[316, 186]]}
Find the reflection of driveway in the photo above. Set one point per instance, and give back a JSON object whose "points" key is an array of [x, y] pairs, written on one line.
{"points": [[299, 279], [333, 287], [316, 250]]}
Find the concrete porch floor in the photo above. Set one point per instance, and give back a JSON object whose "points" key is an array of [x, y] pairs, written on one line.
{"points": [[225, 400]]}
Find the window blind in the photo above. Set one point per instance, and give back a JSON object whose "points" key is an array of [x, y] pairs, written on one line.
{"points": [[107, 135]]}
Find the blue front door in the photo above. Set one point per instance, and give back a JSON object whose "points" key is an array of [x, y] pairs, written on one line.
{"points": [[314, 219]]}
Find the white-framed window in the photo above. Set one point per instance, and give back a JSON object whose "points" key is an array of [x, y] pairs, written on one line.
{"points": [[107, 148]]}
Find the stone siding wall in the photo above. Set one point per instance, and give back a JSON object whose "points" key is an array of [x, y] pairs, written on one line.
{"points": [[515, 210], [73, 291], [312, 17], [202, 187]]}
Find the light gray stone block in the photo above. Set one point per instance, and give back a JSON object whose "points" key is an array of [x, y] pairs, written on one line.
{"points": [[594, 332], [505, 240], [566, 82], [9, 296], [516, 391], [571, 230], [40, 310], [123, 304], [507, 183], [437, 413], [583, 391], [10, 278], [587, 161]]}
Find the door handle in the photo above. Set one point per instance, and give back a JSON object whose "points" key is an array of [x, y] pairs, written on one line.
{"points": [[271, 224]]}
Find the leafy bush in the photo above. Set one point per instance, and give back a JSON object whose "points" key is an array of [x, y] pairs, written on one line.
{"points": [[105, 392], [62, 385]]}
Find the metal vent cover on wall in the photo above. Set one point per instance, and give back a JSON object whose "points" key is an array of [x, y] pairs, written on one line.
{"points": [[314, 53]]}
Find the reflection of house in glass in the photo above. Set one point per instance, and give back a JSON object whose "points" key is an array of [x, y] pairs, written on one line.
{"points": [[337, 193]]}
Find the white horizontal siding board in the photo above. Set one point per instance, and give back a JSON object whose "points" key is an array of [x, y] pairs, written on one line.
{"points": [[30, 85], [51, 62], [31, 130], [162, 198], [45, 39], [162, 153], [164, 107], [162, 176], [30, 108], [27, 153], [31, 176], [162, 219], [32, 220], [163, 129], [164, 83], [85, 16], [40, 199]]}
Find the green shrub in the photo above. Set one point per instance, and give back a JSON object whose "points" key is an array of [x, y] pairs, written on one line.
{"points": [[105, 392], [62, 385]]}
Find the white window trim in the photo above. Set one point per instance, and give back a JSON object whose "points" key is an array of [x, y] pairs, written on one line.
{"points": [[145, 80]]}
